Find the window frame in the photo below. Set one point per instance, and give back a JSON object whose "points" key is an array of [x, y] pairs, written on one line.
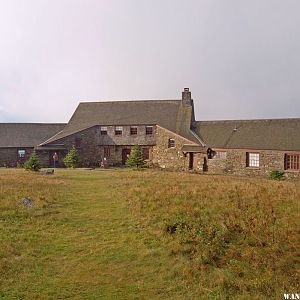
{"points": [[23, 151], [133, 130], [253, 162], [103, 130], [147, 130], [118, 130], [294, 162], [171, 143]]}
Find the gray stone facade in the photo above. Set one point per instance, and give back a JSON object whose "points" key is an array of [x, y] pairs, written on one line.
{"points": [[93, 146], [9, 157], [235, 163], [173, 158]]}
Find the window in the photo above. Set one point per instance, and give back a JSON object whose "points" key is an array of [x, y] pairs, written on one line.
{"points": [[78, 142], [21, 153], [220, 155], [171, 143], [210, 153], [146, 153], [118, 130], [252, 159], [133, 130], [103, 130], [149, 129], [106, 152], [292, 161]]}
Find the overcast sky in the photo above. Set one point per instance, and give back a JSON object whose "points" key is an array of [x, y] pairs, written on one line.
{"points": [[241, 59]]}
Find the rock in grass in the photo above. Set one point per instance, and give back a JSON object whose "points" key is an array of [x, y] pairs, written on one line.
{"points": [[27, 202], [49, 172]]}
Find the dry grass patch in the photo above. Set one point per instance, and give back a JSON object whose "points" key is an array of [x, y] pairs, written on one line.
{"points": [[228, 237], [147, 235]]}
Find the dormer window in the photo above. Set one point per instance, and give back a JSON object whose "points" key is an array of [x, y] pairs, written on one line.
{"points": [[171, 143], [118, 130], [149, 130], [103, 130], [133, 130]]}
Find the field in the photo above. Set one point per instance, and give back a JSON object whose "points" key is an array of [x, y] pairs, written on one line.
{"points": [[122, 234]]}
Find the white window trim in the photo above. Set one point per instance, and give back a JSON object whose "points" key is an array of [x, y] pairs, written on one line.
{"points": [[23, 151], [253, 160]]}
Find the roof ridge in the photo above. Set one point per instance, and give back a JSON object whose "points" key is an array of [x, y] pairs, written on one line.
{"points": [[133, 100], [33, 123], [249, 120]]}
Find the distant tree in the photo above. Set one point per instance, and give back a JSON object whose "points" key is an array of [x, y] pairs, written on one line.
{"points": [[71, 160], [33, 163], [135, 158]]}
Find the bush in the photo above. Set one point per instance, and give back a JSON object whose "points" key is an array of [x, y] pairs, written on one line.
{"points": [[71, 159], [276, 175], [135, 158], [33, 163]]}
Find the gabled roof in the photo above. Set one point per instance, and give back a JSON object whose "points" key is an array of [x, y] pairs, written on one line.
{"points": [[26, 134], [269, 134], [170, 114]]}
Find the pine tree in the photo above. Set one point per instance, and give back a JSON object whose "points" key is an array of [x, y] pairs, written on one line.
{"points": [[71, 160], [32, 163], [135, 158]]}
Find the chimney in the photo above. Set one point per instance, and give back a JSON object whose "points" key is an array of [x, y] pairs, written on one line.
{"points": [[186, 97]]}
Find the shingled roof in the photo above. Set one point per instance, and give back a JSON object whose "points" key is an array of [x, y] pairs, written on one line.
{"points": [[170, 114], [270, 134], [26, 134]]}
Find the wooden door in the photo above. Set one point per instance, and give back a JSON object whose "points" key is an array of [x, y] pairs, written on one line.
{"points": [[125, 154], [191, 161]]}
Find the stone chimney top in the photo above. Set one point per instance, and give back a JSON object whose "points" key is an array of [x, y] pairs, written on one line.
{"points": [[186, 97]]}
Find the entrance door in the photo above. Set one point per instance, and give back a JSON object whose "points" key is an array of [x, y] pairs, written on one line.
{"points": [[125, 154], [191, 161]]}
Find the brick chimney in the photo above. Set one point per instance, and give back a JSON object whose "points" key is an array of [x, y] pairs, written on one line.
{"points": [[186, 97]]}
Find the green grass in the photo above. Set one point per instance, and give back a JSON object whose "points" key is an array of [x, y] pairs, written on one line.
{"points": [[147, 235]]}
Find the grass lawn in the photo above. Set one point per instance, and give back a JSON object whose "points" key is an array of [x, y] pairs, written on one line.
{"points": [[147, 235]]}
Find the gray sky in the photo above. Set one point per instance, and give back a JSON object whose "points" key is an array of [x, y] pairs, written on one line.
{"points": [[241, 59]]}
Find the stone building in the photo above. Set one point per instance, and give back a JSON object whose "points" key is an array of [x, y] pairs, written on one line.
{"points": [[18, 140], [169, 135]]}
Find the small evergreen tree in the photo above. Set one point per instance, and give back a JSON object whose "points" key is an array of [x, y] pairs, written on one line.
{"points": [[71, 159], [135, 158], [33, 163]]}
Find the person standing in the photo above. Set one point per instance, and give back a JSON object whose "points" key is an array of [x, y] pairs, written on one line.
{"points": [[55, 159]]}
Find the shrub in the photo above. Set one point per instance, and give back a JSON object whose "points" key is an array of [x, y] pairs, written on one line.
{"points": [[276, 175], [135, 158], [71, 159], [33, 163]]}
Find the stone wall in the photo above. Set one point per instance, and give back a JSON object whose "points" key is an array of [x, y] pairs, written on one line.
{"points": [[235, 163], [170, 158], [9, 156], [141, 138], [92, 147]]}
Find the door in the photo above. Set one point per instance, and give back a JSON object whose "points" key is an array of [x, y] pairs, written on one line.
{"points": [[191, 161], [125, 154]]}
